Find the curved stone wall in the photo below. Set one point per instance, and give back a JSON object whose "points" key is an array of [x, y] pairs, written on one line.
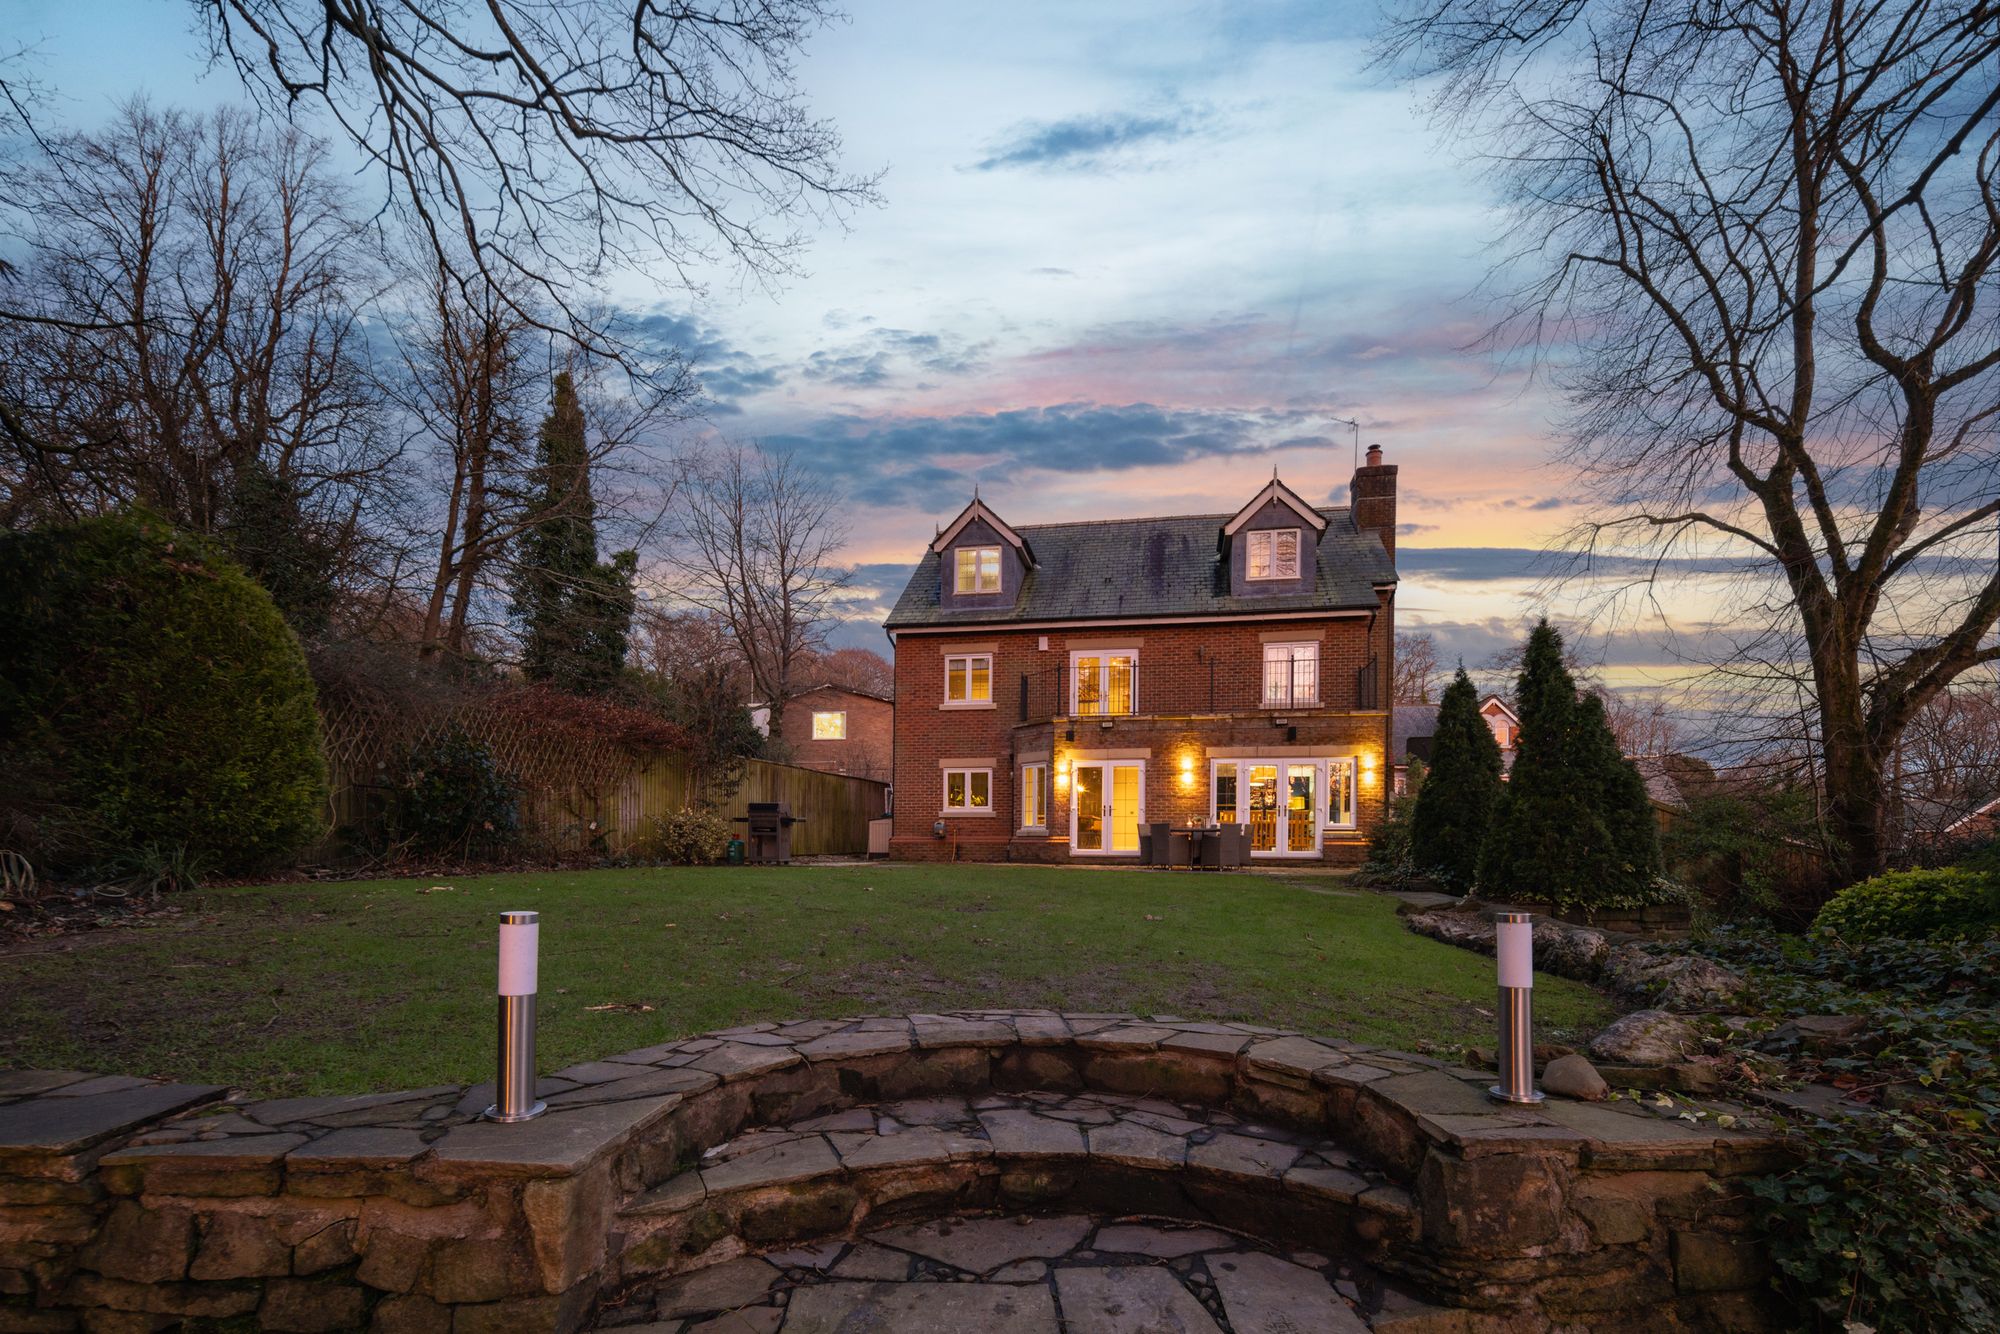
{"points": [[401, 1212]]}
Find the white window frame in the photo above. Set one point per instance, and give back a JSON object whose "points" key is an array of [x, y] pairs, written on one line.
{"points": [[1323, 771], [840, 714], [1076, 682], [969, 575], [1034, 798], [1109, 781], [970, 701], [1352, 765], [1291, 651], [1268, 539], [969, 807]]}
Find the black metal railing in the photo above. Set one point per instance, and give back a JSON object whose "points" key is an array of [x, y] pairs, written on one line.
{"points": [[1368, 685], [1291, 683]]}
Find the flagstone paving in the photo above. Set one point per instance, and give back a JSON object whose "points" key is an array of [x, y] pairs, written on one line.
{"points": [[1067, 1274]]}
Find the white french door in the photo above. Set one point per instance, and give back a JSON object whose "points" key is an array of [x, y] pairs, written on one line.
{"points": [[1107, 801], [1278, 799]]}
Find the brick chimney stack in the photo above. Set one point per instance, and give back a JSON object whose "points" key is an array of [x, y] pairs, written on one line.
{"points": [[1373, 497]]}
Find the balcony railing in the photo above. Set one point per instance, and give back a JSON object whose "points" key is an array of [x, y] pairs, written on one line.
{"points": [[1368, 685], [1106, 690], [1291, 684]]}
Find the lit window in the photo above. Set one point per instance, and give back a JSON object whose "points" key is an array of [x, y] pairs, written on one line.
{"points": [[968, 789], [978, 570], [968, 679], [1104, 683], [1034, 796], [1274, 554], [1291, 676], [1340, 793], [830, 726]]}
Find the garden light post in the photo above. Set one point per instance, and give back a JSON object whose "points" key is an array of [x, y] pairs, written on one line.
{"points": [[514, 1081], [1514, 947]]}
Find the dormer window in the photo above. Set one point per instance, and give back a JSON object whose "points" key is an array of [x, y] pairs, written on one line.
{"points": [[978, 570], [1274, 554]]}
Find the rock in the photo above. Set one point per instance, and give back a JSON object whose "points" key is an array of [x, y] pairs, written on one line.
{"points": [[1646, 1037], [1571, 951], [998, 1309], [1681, 982], [1824, 1033], [1575, 1077], [1139, 1300]]}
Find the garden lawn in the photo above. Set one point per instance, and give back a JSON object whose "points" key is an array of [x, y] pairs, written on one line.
{"points": [[378, 985]]}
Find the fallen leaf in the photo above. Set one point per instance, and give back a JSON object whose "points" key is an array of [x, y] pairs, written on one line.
{"points": [[629, 1007]]}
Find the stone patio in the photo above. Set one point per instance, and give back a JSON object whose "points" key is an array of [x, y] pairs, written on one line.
{"points": [[131, 1204], [1018, 1275]]}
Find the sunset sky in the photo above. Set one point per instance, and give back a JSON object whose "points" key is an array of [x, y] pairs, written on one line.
{"points": [[1131, 258]]}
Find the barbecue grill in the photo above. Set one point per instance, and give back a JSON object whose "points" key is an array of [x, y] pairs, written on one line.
{"points": [[768, 831]]}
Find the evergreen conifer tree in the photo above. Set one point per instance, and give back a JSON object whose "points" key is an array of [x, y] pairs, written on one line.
{"points": [[1628, 861], [575, 612], [1547, 812], [1455, 805]]}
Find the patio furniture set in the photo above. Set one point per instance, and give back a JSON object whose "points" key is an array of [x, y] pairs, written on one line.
{"points": [[1194, 847]]}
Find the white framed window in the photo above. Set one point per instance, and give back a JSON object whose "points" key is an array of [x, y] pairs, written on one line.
{"points": [[1291, 676], [1034, 796], [968, 790], [968, 678], [1104, 682], [1340, 793], [1273, 554], [978, 570], [829, 724]]}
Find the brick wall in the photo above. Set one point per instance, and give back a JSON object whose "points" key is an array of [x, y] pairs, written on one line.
{"points": [[1198, 687], [868, 751]]}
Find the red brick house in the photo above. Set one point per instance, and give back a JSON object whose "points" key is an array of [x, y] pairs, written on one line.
{"points": [[836, 730], [1059, 686]]}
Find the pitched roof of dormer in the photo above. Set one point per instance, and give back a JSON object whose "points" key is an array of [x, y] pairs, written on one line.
{"points": [[978, 509], [1284, 495]]}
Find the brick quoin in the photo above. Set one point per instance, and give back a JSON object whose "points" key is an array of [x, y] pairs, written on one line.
{"points": [[1199, 689]]}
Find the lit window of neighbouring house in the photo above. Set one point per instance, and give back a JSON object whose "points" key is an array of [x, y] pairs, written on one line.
{"points": [[1291, 676], [968, 789], [978, 569], [1274, 554], [968, 679], [1034, 796], [830, 726]]}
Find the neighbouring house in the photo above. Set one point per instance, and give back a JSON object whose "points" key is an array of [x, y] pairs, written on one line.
{"points": [[1061, 685], [1414, 726], [836, 730]]}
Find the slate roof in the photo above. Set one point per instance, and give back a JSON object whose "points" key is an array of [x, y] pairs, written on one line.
{"points": [[1411, 727], [1136, 569]]}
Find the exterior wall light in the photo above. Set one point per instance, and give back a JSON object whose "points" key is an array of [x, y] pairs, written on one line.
{"points": [[1187, 770]]}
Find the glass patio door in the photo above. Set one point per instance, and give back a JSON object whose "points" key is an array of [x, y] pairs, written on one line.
{"points": [[1106, 802], [1263, 807], [1301, 811]]}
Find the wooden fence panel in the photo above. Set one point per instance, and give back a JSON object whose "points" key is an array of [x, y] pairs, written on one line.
{"points": [[836, 807]]}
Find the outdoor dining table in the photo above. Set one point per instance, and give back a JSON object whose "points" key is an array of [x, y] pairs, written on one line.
{"points": [[1194, 834]]}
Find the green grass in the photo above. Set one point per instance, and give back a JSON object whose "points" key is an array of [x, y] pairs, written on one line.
{"points": [[330, 988]]}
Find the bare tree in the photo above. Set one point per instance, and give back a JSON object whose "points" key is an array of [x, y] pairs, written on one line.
{"points": [[186, 331], [1644, 726], [1950, 756], [1760, 247], [859, 669], [1416, 668], [758, 538], [545, 142]]}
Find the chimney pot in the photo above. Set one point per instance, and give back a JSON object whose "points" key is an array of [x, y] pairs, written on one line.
{"points": [[1374, 456]]}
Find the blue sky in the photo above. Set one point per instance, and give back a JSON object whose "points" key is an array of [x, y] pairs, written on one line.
{"points": [[1131, 258]]}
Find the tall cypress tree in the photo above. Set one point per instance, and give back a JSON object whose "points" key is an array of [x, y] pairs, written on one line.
{"points": [[575, 612], [1628, 861], [1547, 812], [1456, 803]]}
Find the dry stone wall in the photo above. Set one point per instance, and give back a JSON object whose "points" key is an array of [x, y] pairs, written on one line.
{"points": [[135, 1205]]}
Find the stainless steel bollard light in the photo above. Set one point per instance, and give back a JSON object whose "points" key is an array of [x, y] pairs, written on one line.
{"points": [[514, 1083], [1514, 946]]}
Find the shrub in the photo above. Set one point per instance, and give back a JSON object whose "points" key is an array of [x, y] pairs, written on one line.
{"points": [[455, 800], [1948, 903], [155, 710], [697, 836]]}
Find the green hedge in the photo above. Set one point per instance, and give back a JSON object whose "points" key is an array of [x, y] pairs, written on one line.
{"points": [[155, 709], [1948, 903]]}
